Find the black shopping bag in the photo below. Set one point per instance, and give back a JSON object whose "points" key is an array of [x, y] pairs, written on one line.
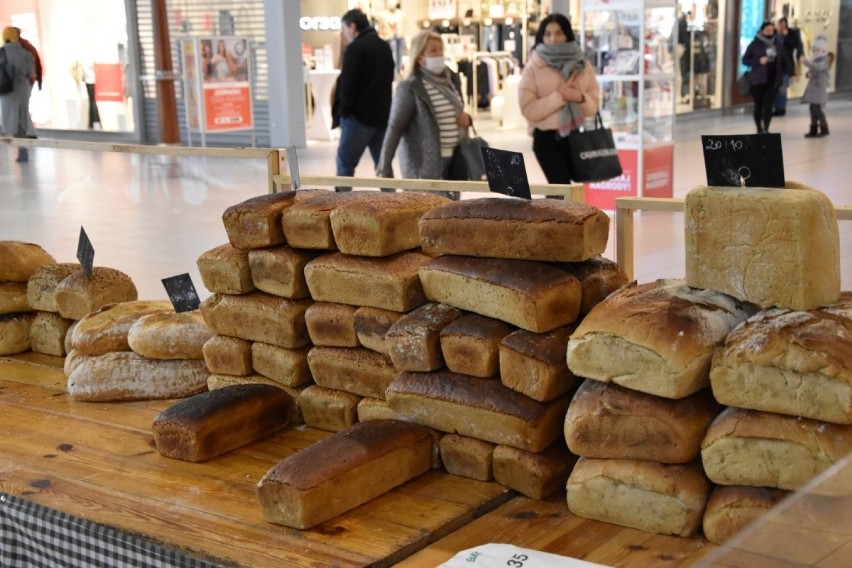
{"points": [[593, 154]]}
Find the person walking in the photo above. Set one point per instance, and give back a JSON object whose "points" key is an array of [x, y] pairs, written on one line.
{"points": [[16, 104], [363, 93], [816, 93], [791, 39], [769, 62], [37, 79], [427, 117], [557, 92]]}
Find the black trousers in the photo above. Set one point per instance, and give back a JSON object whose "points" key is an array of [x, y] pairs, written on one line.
{"points": [[552, 155], [94, 115], [817, 114], [764, 101]]}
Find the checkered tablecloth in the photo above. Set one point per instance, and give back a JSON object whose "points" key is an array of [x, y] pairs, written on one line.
{"points": [[35, 536]]}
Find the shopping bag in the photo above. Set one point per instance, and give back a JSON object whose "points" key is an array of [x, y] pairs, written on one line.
{"points": [[592, 153], [470, 148], [744, 84]]}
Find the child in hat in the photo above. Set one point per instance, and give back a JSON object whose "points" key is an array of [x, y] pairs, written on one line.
{"points": [[816, 93]]}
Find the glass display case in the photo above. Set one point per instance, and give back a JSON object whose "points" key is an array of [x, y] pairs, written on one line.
{"points": [[632, 46]]}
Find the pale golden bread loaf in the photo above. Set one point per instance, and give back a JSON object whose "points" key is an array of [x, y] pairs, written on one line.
{"points": [[537, 229], [13, 298], [535, 475], [47, 333], [170, 335], [389, 283], [225, 270], [656, 338], [20, 260], [599, 277], [258, 317], [608, 421], [731, 508], [790, 362], [649, 496], [256, 222], [467, 457], [228, 355], [288, 367], [15, 333], [533, 364], [332, 325], [534, 296], [471, 345], [414, 341], [344, 471], [212, 423], [77, 296], [41, 287], [281, 271], [371, 325], [328, 409], [105, 330], [352, 369], [308, 224]]}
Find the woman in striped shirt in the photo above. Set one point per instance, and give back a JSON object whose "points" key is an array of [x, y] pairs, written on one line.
{"points": [[427, 116]]}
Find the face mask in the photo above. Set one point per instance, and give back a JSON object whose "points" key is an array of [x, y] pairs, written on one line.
{"points": [[435, 64]]}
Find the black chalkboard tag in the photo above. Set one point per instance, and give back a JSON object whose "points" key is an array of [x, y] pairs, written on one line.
{"points": [[85, 253], [293, 165], [506, 172], [750, 160], [182, 293]]}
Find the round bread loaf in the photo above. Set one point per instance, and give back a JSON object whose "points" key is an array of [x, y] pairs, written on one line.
{"points": [[170, 335], [19, 260], [105, 330]]}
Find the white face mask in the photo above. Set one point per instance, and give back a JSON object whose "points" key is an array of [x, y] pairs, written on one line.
{"points": [[435, 64]]}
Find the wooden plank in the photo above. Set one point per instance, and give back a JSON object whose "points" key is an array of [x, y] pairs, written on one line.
{"points": [[624, 240], [549, 526], [138, 148], [22, 371]]}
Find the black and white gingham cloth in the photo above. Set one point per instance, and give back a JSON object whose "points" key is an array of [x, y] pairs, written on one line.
{"points": [[35, 536]]}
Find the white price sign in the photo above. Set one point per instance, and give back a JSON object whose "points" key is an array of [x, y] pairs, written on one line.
{"points": [[511, 556]]}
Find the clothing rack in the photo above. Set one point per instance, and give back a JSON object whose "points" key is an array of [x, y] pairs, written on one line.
{"points": [[492, 54]]}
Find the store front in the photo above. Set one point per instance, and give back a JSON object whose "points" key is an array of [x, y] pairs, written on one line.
{"points": [[700, 34]]}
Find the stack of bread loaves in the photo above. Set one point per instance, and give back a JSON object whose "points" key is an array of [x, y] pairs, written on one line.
{"points": [[18, 262], [638, 420], [512, 278]]}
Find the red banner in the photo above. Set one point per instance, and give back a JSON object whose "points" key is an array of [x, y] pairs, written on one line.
{"points": [[227, 107], [109, 86], [658, 176]]}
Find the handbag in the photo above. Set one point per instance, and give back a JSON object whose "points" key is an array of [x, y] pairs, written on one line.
{"points": [[7, 78], [592, 153], [470, 148], [744, 84]]}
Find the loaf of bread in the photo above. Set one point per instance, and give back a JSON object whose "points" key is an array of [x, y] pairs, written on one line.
{"points": [[534, 363], [13, 298], [308, 224], [47, 334], [256, 222], [341, 472], [170, 335], [353, 370], [41, 287], [258, 317], [371, 325], [212, 423], [471, 345], [599, 277], [375, 409], [535, 475], [731, 508], [485, 410], [225, 270], [332, 325], [414, 342], [383, 225], [286, 366], [215, 382], [531, 295], [769, 247], [105, 330], [328, 409], [125, 375], [281, 271], [645, 495], [225, 355], [763, 449], [537, 229], [790, 362], [72, 360], [608, 421], [20, 260], [15, 333], [656, 338], [467, 457], [77, 296], [390, 283]]}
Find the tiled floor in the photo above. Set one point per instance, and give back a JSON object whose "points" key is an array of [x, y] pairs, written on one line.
{"points": [[152, 216]]}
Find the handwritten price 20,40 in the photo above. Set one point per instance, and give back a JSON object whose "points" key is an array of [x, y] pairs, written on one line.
{"points": [[719, 144]]}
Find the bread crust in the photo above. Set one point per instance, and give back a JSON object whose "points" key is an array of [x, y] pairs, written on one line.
{"points": [[13, 297], [19, 260], [258, 317], [731, 508], [414, 341], [332, 325], [105, 330], [471, 345], [77, 296], [533, 364], [41, 287], [256, 222], [371, 325], [307, 225], [47, 333], [170, 335], [354, 370], [225, 270], [15, 333], [280, 271]]}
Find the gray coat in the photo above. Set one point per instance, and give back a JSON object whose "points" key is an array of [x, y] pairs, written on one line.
{"points": [[413, 127], [16, 105], [817, 90]]}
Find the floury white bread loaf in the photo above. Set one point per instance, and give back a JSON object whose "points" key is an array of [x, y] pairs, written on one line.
{"points": [[258, 317], [732, 508], [225, 270], [13, 298], [41, 287], [389, 283], [343, 471], [170, 335], [645, 495], [534, 296], [15, 333], [307, 225], [790, 362], [124, 375], [414, 341], [212, 423], [20, 260], [770, 247], [105, 330], [656, 338], [77, 296], [47, 333], [280, 271], [763, 449], [256, 222], [381, 226], [537, 229]]}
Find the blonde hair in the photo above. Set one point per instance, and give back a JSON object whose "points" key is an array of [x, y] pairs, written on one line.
{"points": [[9, 34], [418, 46]]}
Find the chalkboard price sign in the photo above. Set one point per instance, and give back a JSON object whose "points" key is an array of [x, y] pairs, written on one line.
{"points": [[293, 165], [182, 293], [506, 172], [752, 160], [85, 253]]}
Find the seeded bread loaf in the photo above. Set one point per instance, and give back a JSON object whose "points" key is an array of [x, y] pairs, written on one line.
{"points": [[77, 296], [41, 287], [47, 334]]}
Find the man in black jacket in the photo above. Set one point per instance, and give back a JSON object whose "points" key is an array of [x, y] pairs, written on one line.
{"points": [[363, 93], [792, 40]]}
